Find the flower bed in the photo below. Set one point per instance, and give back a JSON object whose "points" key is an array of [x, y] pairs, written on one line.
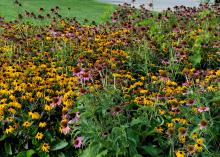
{"points": [[142, 84]]}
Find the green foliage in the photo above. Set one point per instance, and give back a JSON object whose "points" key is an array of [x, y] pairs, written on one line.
{"points": [[27, 153], [60, 145], [108, 127]]}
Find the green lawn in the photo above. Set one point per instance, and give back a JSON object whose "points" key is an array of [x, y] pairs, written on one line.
{"points": [[89, 9]]}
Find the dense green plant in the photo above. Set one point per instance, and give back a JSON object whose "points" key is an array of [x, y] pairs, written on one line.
{"points": [[111, 126]]}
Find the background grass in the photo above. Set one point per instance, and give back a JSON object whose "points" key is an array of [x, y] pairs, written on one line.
{"points": [[81, 9]]}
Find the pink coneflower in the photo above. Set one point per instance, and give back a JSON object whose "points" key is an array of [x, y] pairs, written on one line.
{"points": [[187, 84], [190, 102], [86, 76], [75, 117], [191, 149], [56, 101], [116, 110], [65, 129], [165, 62], [163, 78], [203, 124], [77, 71], [202, 109], [78, 142]]}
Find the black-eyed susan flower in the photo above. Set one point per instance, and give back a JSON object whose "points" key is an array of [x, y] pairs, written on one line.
{"points": [[10, 129], [34, 115], [169, 125], [39, 135], [180, 153], [42, 124], [194, 135], [170, 131], [26, 124], [159, 129], [182, 139], [182, 131], [198, 147], [200, 141], [45, 147], [47, 107]]}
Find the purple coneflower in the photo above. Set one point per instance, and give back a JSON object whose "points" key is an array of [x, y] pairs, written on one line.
{"points": [[77, 71], [202, 124], [65, 129], [78, 142], [202, 109], [56, 101], [75, 117]]}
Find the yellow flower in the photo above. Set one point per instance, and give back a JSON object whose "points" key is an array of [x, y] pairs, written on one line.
{"points": [[42, 124], [15, 104], [169, 125], [48, 38], [45, 147], [26, 124], [200, 141], [212, 88], [170, 131], [10, 119], [34, 115], [180, 153], [161, 112], [12, 110], [200, 30], [182, 131], [159, 130], [154, 78], [217, 72], [182, 139], [198, 147], [142, 91], [39, 136], [40, 95], [142, 78], [183, 121], [116, 75], [194, 135], [173, 102], [10, 129], [47, 107]]}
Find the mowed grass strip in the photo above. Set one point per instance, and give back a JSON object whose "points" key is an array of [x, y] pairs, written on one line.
{"points": [[81, 9]]}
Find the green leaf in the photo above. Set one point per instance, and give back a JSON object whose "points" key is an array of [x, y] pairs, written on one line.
{"points": [[103, 153], [43, 154], [151, 150], [196, 59], [137, 155], [30, 152], [21, 154], [60, 145], [3, 137], [8, 149], [215, 99], [86, 153], [27, 153], [137, 121], [61, 154]]}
